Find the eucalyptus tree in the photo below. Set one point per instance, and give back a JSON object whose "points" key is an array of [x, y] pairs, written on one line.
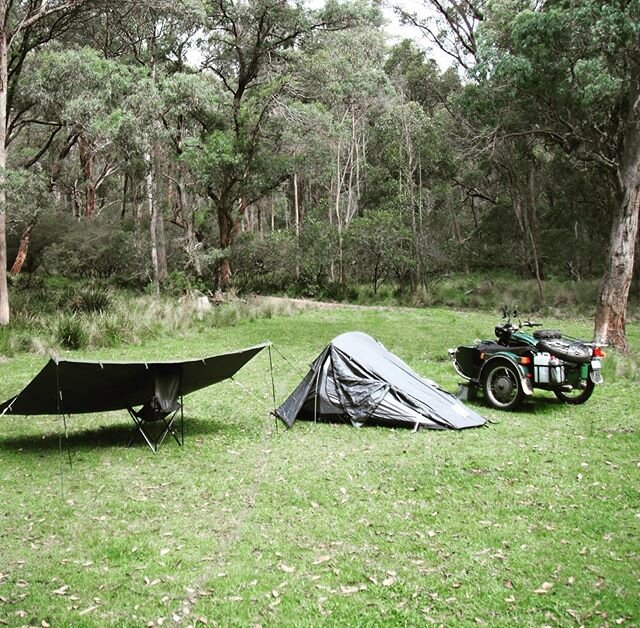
{"points": [[567, 74], [156, 36], [250, 47], [346, 73], [24, 27]]}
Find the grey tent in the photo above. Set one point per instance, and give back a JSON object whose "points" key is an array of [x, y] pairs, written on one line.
{"points": [[357, 379], [81, 386]]}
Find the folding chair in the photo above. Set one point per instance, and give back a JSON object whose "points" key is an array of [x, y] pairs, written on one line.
{"points": [[163, 408]]}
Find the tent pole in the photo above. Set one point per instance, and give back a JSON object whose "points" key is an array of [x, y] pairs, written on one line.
{"points": [[273, 389], [61, 413], [181, 408]]}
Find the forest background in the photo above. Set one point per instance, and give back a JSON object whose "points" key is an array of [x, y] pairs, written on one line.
{"points": [[272, 147]]}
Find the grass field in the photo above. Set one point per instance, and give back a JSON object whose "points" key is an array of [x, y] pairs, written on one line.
{"points": [[531, 521]]}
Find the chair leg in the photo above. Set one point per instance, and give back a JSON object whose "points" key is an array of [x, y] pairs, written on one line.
{"points": [[139, 429]]}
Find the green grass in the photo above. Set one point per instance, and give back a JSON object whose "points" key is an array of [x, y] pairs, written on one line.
{"points": [[531, 521]]}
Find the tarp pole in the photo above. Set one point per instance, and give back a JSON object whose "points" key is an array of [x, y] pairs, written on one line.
{"points": [[181, 408], [61, 413], [273, 389]]}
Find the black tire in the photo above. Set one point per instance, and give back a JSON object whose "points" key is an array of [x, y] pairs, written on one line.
{"points": [[578, 396], [568, 350], [502, 387], [544, 334]]}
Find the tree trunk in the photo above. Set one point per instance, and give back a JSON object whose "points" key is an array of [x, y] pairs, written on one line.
{"points": [[613, 294], [611, 309], [228, 225], [296, 205], [87, 161], [4, 289], [22, 250], [153, 224]]}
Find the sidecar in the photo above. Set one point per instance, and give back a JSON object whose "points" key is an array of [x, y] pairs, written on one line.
{"points": [[506, 369], [509, 374]]}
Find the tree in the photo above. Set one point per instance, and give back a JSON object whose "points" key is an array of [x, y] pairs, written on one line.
{"points": [[24, 26], [568, 75], [250, 47]]}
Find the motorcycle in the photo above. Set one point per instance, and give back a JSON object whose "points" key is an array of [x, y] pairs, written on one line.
{"points": [[508, 370]]}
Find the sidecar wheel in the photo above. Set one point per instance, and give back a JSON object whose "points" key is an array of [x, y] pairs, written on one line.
{"points": [[502, 387], [577, 396]]}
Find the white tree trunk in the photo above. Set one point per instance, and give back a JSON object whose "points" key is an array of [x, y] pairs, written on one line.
{"points": [[4, 289]]}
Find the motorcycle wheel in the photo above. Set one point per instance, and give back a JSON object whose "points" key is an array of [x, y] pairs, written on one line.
{"points": [[502, 388], [577, 396], [567, 350]]}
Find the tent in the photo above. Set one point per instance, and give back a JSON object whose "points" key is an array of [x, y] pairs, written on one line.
{"points": [[68, 387], [356, 379]]}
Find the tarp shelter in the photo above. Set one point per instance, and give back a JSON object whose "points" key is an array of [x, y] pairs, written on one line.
{"points": [[68, 387], [356, 379]]}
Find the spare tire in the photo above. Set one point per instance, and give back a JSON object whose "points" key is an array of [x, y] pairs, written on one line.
{"points": [[568, 350], [542, 334]]}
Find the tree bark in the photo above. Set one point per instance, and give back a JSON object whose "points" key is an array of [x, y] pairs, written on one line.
{"points": [[228, 225], [22, 250], [87, 161], [4, 289], [611, 309], [613, 294], [153, 224]]}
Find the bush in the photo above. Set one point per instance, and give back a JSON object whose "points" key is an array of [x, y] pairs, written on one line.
{"points": [[71, 333], [85, 300]]}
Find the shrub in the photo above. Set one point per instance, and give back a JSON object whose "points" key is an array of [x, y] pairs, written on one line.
{"points": [[71, 333]]}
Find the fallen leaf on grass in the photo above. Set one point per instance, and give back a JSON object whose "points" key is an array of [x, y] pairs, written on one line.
{"points": [[164, 551], [88, 610], [388, 581], [62, 590], [508, 584], [202, 620], [545, 587], [151, 583], [286, 568], [322, 559], [574, 614], [350, 589]]}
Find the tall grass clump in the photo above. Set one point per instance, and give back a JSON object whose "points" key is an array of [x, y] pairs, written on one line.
{"points": [[71, 332], [85, 299]]}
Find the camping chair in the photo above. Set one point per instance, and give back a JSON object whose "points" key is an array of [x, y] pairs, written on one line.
{"points": [[163, 408]]}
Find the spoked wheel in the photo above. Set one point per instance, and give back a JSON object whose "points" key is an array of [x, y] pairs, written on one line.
{"points": [[576, 396], [502, 387], [568, 350]]}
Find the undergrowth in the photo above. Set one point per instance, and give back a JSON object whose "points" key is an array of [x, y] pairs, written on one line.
{"points": [[90, 318]]}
